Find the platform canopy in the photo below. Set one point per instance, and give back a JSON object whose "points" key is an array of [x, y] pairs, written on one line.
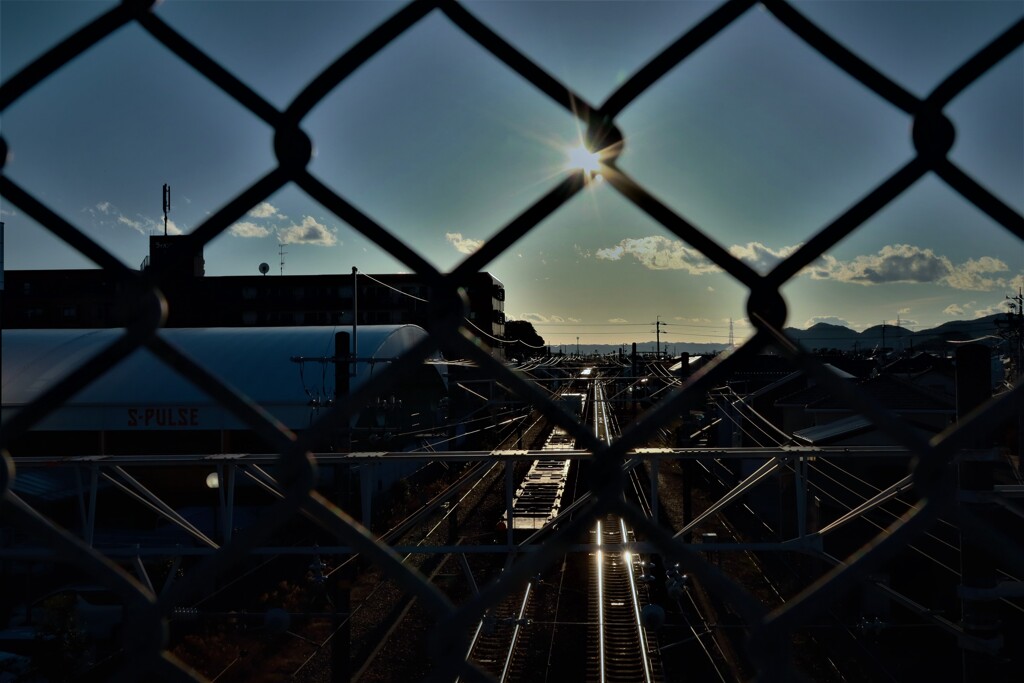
{"points": [[142, 392]]}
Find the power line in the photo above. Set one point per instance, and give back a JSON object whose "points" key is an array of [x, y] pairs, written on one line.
{"points": [[394, 289]]}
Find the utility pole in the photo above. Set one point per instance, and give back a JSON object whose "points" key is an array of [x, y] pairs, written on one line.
{"points": [[657, 333], [355, 316], [899, 334], [1013, 329]]}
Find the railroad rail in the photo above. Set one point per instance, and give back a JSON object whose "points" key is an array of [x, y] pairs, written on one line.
{"points": [[497, 636]]}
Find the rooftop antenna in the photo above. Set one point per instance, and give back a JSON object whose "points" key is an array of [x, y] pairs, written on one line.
{"points": [[167, 205], [282, 252]]}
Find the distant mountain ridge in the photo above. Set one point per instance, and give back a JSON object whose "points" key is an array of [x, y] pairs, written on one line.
{"points": [[828, 336]]}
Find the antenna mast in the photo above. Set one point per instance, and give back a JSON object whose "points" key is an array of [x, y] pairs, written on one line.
{"points": [[282, 252], [732, 340], [167, 205]]}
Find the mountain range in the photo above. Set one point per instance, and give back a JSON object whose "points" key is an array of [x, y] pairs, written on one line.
{"points": [[827, 336]]}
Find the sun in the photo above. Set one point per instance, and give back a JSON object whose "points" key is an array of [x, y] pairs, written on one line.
{"points": [[582, 159]]}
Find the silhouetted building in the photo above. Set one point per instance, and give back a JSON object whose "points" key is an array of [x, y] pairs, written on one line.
{"points": [[41, 299]]}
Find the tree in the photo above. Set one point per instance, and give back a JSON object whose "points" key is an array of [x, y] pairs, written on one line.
{"points": [[524, 339]]}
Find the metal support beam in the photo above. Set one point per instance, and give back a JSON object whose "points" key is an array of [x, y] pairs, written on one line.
{"points": [[226, 499], [172, 574], [464, 563], [136, 490], [510, 489], [261, 477], [878, 499], [655, 467], [42, 553], [87, 511], [366, 492], [800, 484], [753, 480], [140, 571]]}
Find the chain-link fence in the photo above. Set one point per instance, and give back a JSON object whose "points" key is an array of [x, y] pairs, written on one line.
{"points": [[932, 472]]}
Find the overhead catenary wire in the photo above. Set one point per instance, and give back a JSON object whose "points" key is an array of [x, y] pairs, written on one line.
{"points": [[467, 320]]}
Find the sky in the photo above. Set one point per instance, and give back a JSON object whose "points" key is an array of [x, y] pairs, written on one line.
{"points": [[755, 139]]}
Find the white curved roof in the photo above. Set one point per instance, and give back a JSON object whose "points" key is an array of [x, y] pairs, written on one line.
{"points": [[142, 392]]}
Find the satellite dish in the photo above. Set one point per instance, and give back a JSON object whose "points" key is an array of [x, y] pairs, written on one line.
{"points": [[264, 268]]}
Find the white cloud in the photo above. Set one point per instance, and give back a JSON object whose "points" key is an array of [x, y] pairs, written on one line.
{"points": [[104, 207], [660, 253], [540, 318], [134, 225], [911, 264], [265, 210], [617, 320], [760, 257], [308, 232], [904, 310], [953, 309], [148, 226], [248, 229], [974, 274], [463, 245], [999, 307], [710, 288], [827, 319], [5, 212]]}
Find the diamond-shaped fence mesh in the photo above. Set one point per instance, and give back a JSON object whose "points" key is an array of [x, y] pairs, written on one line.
{"points": [[146, 618]]}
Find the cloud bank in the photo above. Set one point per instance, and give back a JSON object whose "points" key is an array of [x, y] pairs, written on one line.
{"points": [[906, 263], [894, 263]]}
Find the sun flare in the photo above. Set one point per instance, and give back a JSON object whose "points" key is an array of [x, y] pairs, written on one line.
{"points": [[582, 159]]}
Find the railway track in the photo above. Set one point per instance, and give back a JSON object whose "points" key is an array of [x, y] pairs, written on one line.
{"points": [[620, 648]]}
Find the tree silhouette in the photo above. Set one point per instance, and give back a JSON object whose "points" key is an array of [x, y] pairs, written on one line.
{"points": [[524, 339]]}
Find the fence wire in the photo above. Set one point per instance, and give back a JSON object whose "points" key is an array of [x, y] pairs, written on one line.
{"points": [[146, 617]]}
